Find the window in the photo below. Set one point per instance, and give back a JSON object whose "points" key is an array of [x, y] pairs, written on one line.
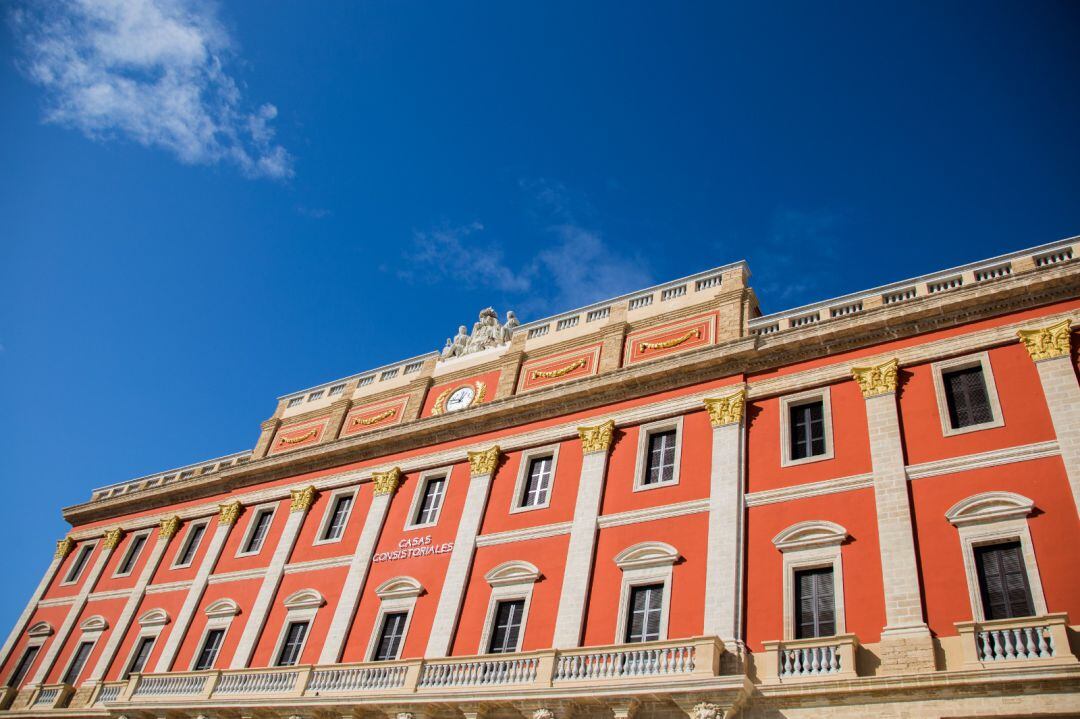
{"points": [[339, 515], [315, 395], [137, 543], [966, 394], [191, 545], [643, 618], [431, 501], [138, 659], [294, 642], [260, 525], [25, 662], [537, 482], [78, 661], [390, 636], [79, 564], [210, 648], [295, 401], [336, 390], [807, 430], [504, 634], [658, 454], [661, 463], [1003, 581], [815, 611]]}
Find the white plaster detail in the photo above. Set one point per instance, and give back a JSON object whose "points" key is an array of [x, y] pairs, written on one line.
{"points": [[222, 608], [154, 618], [40, 629], [809, 535], [989, 507], [399, 587], [527, 456], [523, 535], [812, 545], [641, 564], [980, 359], [646, 431], [513, 572]]}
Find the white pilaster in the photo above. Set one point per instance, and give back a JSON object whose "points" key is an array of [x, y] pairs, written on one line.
{"points": [[349, 597], [595, 443], [63, 548], [481, 468]]}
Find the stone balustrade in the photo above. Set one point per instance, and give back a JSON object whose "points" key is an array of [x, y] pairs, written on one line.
{"points": [[800, 659], [1007, 641]]}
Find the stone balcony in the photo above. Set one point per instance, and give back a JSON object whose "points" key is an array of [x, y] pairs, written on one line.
{"points": [[1011, 642], [809, 659]]}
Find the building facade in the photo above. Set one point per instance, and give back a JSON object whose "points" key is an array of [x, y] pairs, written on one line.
{"points": [[665, 504]]}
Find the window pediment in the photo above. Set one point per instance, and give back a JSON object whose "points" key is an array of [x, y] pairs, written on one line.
{"points": [[40, 629], [222, 608], [512, 572], [647, 554], [398, 587], [95, 623], [154, 618], [304, 599], [989, 507], [810, 535]]}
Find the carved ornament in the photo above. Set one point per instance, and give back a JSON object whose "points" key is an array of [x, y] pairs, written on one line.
{"points": [[668, 344], [726, 410], [879, 379], [113, 537], [302, 499], [375, 419], [487, 332], [169, 527], [296, 440], [440, 401], [64, 547], [484, 462], [598, 438], [386, 482], [1048, 342], [229, 513], [705, 710], [543, 714], [537, 374]]}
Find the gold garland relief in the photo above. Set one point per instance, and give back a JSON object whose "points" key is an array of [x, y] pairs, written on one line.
{"points": [[876, 380], [375, 419], [484, 462], [296, 440], [64, 547], [228, 513], [301, 498], [538, 374], [726, 410], [386, 482], [598, 438], [1047, 342], [169, 527], [668, 344]]}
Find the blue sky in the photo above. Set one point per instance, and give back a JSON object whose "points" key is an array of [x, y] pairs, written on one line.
{"points": [[203, 207]]}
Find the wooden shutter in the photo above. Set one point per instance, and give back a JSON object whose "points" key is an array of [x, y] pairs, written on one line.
{"points": [[965, 394], [1003, 581], [815, 603]]}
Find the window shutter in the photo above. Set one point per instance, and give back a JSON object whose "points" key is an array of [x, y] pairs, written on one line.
{"points": [[815, 603], [966, 396], [1003, 581]]}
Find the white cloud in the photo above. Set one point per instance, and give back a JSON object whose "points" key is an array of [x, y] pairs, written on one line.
{"points": [[151, 71]]}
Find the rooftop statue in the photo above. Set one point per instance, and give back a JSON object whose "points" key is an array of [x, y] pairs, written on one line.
{"points": [[487, 332]]}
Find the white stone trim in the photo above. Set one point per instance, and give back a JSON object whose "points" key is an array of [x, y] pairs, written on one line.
{"points": [[812, 545], [169, 587], [397, 594], [56, 601], [527, 456], [982, 460], [111, 594], [523, 535], [145, 534], [300, 606], [154, 618], [183, 546], [150, 625], [810, 535], [249, 529], [642, 564], [314, 565], [237, 576], [824, 394], [87, 636], [40, 630], [650, 514], [328, 515], [87, 547], [220, 615], [223, 607], [418, 497], [95, 623], [979, 359], [809, 489], [641, 466], [509, 581], [989, 507]]}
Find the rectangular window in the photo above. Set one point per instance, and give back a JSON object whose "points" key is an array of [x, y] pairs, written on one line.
{"points": [[815, 603], [538, 483], [210, 648], [661, 462], [390, 636], [1003, 581], [25, 662], [138, 659], [295, 401], [966, 396], [336, 390], [187, 554], [807, 423], [137, 543], [294, 642], [432, 500], [260, 526], [338, 515], [79, 564], [643, 619], [504, 634], [77, 663]]}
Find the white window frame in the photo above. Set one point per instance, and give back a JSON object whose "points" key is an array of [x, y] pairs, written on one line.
{"points": [[527, 457], [418, 497], [91, 630], [645, 431], [814, 544], [642, 564], [824, 394], [300, 606], [205, 524], [150, 625], [220, 614], [979, 359], [993, 518], [509, 581], [127, 551], [328, 516], [35, 637], [397, 594], [250, 529], [89, 558]]}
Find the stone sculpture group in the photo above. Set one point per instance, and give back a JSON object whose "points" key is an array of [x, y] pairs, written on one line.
{"points": [[487, 332]]}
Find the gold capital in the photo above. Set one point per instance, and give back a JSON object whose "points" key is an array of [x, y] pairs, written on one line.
{"points": [[726, 410], [228, 513], [879, 379], [302, 499], [598, 438], [64, 547], [1048, 342], [386, 482], [113, 537], [169, 528], [484, 462]]}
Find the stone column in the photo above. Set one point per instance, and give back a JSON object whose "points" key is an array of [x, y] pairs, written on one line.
{"points": [[260, 609], [227, 516], [595, 443], [112, 538], [481, 469], [906, 645], [166, 532], [63, 549], [724, 563], [612, 338], [338, 410], [1049, 348], [733, 304], [385, 484]]}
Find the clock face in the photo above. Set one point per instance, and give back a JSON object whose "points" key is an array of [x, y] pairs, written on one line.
{"points": [[461, 398]]}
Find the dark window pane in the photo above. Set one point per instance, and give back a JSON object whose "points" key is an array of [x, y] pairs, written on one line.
{"points": [[432, 500], [965, 394], [258, 533], [193, 539], [208, 653], [336, 526], [138, 660], [393, 631], [645, 607], [23, 666], [132, 554], [537, 483], [807, 427], [661, 459], [815, 603], [293, 643], [78, 564], [1003, 581], [78, 661], [504, 635]]}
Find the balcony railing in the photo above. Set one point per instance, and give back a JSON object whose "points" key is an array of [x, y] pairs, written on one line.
{"points": [[1008, 641], [798, 659]]}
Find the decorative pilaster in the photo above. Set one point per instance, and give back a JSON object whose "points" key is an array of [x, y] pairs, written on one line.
{"points": [[168, 528], [302, 499], [64, 547], [906, 643], [113, 537], [595, 443], [724, 560], [338, 410], [384, 484], [266, 436], [1050, 349], [481, 469]]}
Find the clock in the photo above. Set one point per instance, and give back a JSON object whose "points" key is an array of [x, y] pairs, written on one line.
{"points": [[460, 398]]}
